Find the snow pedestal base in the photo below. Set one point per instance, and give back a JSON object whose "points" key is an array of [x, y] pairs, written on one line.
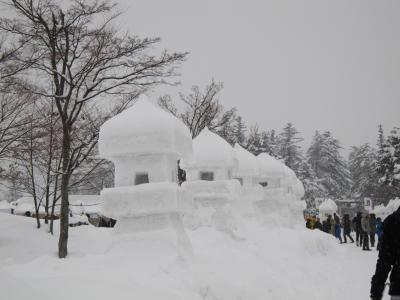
{"points": [[280, 209], [154, 210], [246, 205], [213, 202]]}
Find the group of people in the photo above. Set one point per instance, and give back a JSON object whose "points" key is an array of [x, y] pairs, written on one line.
{"points": [[366, 227]]}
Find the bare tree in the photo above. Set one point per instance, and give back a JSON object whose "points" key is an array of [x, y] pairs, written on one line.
{"points": [[82, 60], [202, 109]]}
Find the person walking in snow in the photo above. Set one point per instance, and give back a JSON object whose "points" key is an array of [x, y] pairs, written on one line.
{"points": [[388, 259], [325, 226], [379, 232], [318, 224], [366, 230], [347, 228], [372, 225], [329, 224], [338, 231], [358, 229]]}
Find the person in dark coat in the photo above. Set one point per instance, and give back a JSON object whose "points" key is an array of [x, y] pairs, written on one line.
{"points": [[372, 225], [318, 224], [308, 223], [358, 229], [338, 228], [366, 230], [329, 223], [325, 226], [388, 259], [379, 232], [347, 228]]}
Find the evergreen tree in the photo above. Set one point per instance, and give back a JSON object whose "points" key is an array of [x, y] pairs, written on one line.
{"points": [[329, 166], [381, 138], [362, 166], [240, 131], [388, 166], [289, 149], [269, 142], [312, 185], [254, 143]]}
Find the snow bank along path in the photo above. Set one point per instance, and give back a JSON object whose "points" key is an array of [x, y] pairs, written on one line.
{"points": [[268, 264]]}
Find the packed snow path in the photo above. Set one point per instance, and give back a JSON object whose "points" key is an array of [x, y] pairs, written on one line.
{"points": [[271, 263]]}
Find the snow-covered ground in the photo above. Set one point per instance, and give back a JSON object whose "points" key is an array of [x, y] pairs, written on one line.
{"points": [[271, 263]]}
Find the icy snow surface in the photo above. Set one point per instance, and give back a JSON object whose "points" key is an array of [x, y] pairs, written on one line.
{"points": [[144, 128], [276, 264]]}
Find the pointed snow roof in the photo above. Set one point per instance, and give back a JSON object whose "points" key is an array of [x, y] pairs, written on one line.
{"points": [[144, 128], [210, 151], [247, 162]]}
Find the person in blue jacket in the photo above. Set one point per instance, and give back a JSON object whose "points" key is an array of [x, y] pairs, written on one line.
{"points": [[379, 232]]}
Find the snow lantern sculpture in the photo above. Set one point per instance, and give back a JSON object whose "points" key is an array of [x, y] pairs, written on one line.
{"points": [[209, 173], [282, 190], [213, 158], [247, 173], [328, 207], [145, 143], [272, 175]]}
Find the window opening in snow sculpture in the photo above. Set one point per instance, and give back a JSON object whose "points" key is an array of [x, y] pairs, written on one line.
{"points": [[145, 143], [141, 178], [209, 176], [212, 154]]}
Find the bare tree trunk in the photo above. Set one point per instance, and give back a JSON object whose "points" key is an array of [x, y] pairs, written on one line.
{"points": [[47, 195], [53, 206], [65, 176], [32, 171]]}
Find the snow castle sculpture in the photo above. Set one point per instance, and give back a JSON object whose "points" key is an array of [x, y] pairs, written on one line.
{"points": [[145, 143], [209, 173]]}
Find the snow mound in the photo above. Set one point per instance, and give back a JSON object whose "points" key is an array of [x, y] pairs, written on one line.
{"points": [[269, 263], [144, 128]]}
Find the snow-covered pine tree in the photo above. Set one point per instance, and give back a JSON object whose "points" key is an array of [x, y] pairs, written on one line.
{"points": [[240, 131], [289, 150], [328, 164], [312, 185], [381, 138], [362, 166], [254, 143], [388, 167]]}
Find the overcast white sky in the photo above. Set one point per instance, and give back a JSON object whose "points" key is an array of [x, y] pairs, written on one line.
{"points": [[328, 65]]}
